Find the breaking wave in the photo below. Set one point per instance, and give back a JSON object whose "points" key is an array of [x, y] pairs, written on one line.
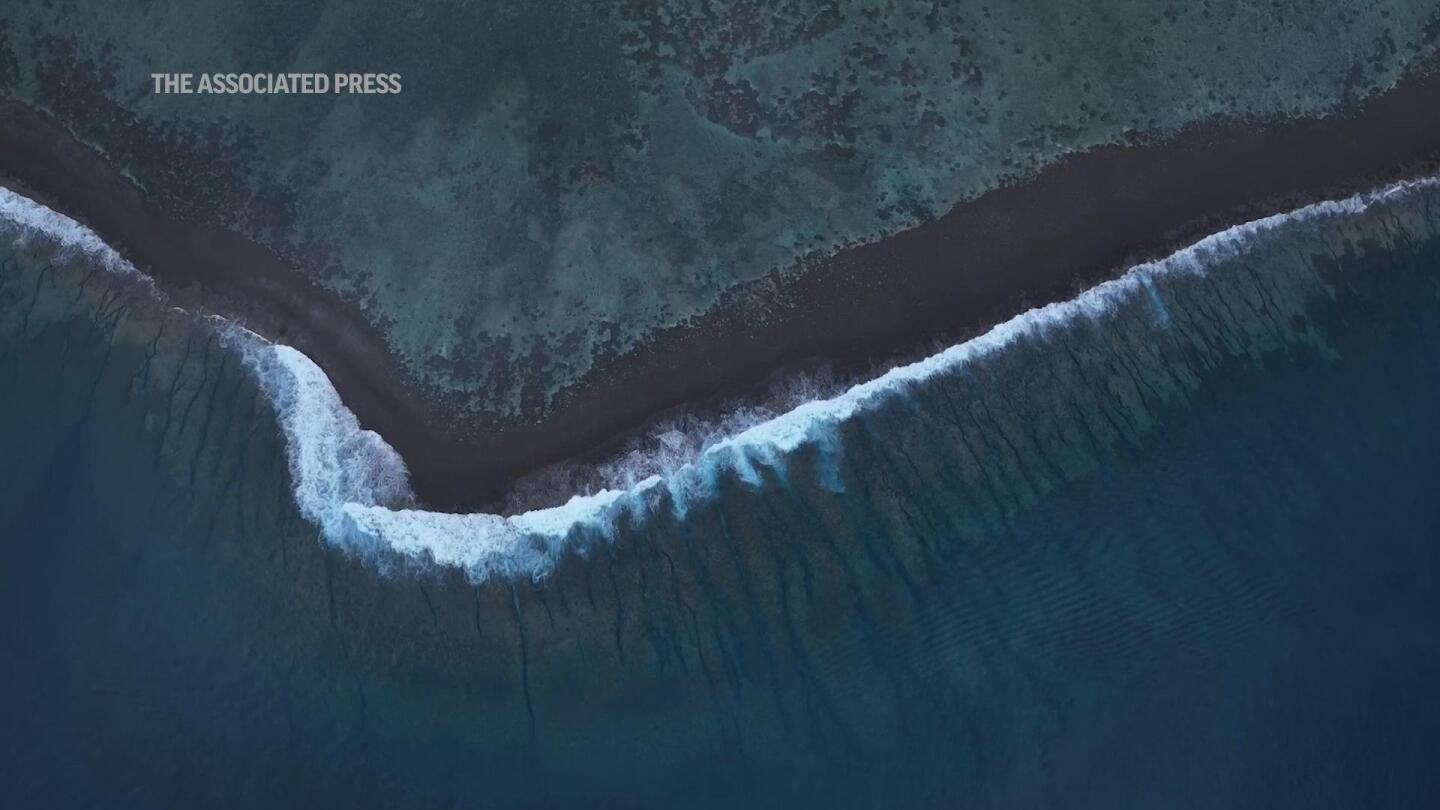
{"points": [[23, 219], [354, 487]]}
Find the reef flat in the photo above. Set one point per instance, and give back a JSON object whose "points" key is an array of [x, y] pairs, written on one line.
{"points": [[488, 263]]}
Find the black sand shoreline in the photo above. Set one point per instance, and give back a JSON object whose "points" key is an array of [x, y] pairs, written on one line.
{"points": [[1074, 224]]}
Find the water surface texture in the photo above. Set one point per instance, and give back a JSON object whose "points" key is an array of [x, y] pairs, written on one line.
{"points": [[1171, 547]]}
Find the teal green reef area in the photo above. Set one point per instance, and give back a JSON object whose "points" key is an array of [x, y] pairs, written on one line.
{"points": [[559, 180]]}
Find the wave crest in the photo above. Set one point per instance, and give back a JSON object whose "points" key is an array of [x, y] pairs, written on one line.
{"points": [[23, 219], [354, 487]]}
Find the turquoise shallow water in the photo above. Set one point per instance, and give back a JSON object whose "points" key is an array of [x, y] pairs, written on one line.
{"points": [[1184, 554]]}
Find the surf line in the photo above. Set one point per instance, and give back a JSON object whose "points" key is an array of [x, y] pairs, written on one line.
{"points": [[354, 487]]}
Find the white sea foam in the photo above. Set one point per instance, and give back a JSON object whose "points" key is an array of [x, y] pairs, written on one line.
{"points": [[22, 218], [354, 486], [670, 443]]}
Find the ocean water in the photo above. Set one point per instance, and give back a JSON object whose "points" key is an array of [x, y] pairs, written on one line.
{"points": [[1173, 544]]}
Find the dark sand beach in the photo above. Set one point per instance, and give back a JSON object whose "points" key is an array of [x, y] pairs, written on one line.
{"points": [[1038, 240]]}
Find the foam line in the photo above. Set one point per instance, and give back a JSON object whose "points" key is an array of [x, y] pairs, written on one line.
{"points": [[23, 218], [354, 487]]}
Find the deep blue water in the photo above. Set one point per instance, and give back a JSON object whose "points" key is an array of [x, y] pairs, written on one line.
{"points": [[1187, 555]]}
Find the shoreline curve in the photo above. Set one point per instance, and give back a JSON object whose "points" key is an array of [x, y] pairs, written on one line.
{"points": [[1073, 225]]}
